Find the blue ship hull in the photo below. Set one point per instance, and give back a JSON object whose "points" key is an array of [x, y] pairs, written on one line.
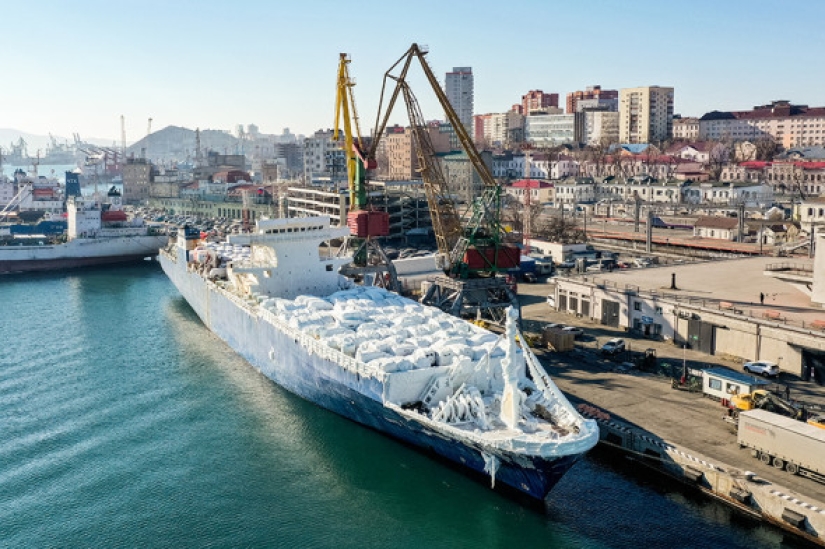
{"points": [[300, 368]]}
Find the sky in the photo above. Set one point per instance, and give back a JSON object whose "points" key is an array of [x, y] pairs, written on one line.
{"points": [[78, 66]]}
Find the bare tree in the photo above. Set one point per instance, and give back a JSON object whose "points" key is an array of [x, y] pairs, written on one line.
{"points": [[766, 148], [718, 159], [560, 229]]}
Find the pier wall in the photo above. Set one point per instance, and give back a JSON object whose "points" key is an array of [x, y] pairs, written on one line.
{"points": [[742, 490]]}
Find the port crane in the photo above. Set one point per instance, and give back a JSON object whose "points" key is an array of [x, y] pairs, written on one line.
{"points": [[472, 252], [370, 262]]}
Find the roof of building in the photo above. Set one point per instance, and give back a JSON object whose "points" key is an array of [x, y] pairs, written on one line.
{"points": [[716, 222], [532, 184], [777, 109], [807, 153]]}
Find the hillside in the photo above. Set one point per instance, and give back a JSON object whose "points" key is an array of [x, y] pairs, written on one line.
{"points": [[176, 143]]}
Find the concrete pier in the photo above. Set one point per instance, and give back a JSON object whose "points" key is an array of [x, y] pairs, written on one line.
{"points": [[680, 434], [744, 490]]}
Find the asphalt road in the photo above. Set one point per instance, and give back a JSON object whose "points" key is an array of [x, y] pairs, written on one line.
{"points": [[646, 400]]}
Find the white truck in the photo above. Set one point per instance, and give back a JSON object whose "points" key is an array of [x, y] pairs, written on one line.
{"points": [[784, 442]]}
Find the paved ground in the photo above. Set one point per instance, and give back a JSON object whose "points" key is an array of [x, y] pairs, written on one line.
{"points": [[647, 400]]}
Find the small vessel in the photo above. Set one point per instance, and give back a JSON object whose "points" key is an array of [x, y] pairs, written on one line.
{"points": [[413, 372], [97, 234]]}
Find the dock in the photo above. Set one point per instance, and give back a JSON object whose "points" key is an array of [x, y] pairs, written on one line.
{"points": [[680, 434]]}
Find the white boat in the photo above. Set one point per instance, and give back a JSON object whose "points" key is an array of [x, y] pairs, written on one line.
{"points": [[97, 234]]}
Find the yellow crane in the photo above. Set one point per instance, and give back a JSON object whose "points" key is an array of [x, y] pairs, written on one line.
{"points": [[370, 262]]}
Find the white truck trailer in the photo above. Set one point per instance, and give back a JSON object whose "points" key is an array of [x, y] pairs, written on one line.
{"points": [[784, 442]]}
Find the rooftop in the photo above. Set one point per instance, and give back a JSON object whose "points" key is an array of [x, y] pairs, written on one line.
{"points": [[733, 281]]}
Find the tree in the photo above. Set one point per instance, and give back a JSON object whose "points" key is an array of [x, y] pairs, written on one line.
{"points": [[766, 149], [718, 158], [560, 229]]}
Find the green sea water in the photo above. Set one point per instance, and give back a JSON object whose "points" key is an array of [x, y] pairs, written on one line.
{"points": [[124, 423]]}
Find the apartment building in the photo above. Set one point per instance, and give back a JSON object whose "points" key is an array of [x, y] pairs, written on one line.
{"points": [[498, 129], [645, 114], [788, 125], [458, 85], [592, 98], [600, 127]]}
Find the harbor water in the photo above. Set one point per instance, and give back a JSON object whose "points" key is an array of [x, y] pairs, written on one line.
{"points": [[125, 423]]}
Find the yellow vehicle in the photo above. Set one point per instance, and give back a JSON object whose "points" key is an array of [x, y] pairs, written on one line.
{"points": [[765, 400]]}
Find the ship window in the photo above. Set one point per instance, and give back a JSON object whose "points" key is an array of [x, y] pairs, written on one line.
{"points": [[329, 268]]}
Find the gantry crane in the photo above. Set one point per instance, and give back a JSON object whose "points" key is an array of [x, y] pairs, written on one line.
{"points": [[471, 253], [370, 262]]}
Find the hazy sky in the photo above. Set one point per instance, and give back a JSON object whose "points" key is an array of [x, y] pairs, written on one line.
{"points": [[77, 66]]}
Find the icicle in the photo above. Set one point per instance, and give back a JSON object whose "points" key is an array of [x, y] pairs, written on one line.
{"points": [[491, 464]]}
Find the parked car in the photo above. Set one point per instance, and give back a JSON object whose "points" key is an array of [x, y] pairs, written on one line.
{"points": [[762, 367], [575, 330], [615, 345]]}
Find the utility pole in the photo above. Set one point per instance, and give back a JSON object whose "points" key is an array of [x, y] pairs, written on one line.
{"points": [[649, 231], [528, 214]]}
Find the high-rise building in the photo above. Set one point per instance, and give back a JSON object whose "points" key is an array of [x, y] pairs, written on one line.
{"points": [[538, 101], [593, 98], [459, 89], [645, 114]]}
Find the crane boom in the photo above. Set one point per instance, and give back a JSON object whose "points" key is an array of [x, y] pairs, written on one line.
{"points": [[483, 229], [471, 254]]}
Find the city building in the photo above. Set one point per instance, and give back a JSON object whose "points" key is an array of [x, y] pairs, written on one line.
{"points": [[324, 159], [645, 114], [592, 98], [396, 154], [550, 130], [462, 179], [686, 129], [788, 125], [458, 86], [721, 227], [538, 191], [600, 127], [498, 129], [538, 101], [750, 193], [576, 190], [137, 175]]}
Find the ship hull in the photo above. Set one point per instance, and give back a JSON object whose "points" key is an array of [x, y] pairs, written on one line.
{"points": [[301, 367], [78, 253]]}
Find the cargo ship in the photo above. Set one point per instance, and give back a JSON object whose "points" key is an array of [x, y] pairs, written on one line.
{"points": [[97, 234], [413, 372]]}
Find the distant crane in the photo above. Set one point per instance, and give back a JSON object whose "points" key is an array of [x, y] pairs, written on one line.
{"points": [[148, 134], [122, 135]]}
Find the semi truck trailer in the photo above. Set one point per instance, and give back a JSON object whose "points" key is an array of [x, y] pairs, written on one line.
{"points": [[784, 442]]}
